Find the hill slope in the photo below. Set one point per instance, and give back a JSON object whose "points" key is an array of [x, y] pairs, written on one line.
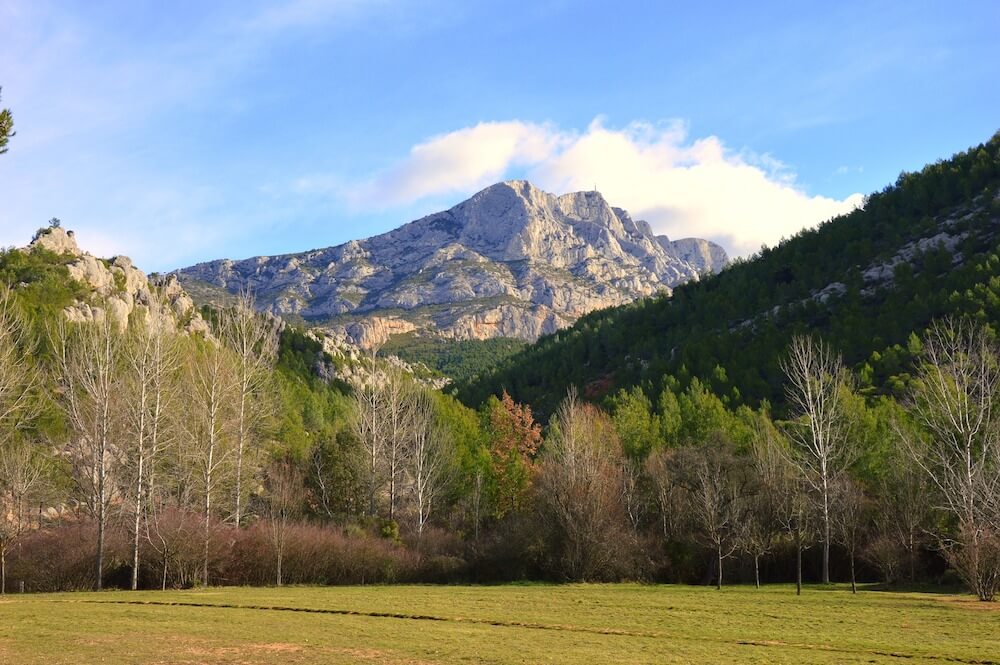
{"points": [[923, 248], [512, 261]]}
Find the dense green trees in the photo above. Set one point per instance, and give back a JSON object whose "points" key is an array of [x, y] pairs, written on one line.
{"points": [[731, 329], [459, 360]]}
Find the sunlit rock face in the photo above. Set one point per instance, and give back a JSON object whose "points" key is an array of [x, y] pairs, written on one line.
{"points": [[116, 288], [512, 261]]}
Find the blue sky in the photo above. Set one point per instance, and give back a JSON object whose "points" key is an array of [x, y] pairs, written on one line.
{"points": [[185, 131]]}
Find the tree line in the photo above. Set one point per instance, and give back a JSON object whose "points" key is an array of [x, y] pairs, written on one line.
{"points": [[166, 459]]}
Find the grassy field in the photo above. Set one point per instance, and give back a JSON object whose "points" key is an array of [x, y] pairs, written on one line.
{"points": [[621, 623]]}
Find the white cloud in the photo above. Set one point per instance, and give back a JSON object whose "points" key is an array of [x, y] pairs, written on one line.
{"points": [[682, 186], [457, 162]]}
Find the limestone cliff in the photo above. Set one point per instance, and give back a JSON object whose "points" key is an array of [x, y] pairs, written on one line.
{"points": [[116, 287], [512, 261]]}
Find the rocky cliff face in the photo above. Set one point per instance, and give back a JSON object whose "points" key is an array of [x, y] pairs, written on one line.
{"points": [[117, 288], [512, 261]]}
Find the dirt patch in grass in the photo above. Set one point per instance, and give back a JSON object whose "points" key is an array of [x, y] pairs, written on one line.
{"points": [[971, 604], [377, 656], [277, 647]]}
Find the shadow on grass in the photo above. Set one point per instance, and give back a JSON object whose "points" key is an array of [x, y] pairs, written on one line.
{"points": [[938, 589]]}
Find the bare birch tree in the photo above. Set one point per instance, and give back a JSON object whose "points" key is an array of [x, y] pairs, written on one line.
{"points": [[285, 493], [151, 360], [904, 510], [793, 508], [633, 495], [253, 338], [956, 400], [820, 434], [212, 384], [398, 411], [172, 529], [428, 458], [384, 410], [90, 359], [368, 426], [668, 493]]}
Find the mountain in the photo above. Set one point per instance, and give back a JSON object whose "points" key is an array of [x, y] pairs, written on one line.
{"points": [[512, 261], [925, 247]]}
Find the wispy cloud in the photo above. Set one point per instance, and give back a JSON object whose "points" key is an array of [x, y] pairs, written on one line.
{"points": [[95, 110], [682, 186]]}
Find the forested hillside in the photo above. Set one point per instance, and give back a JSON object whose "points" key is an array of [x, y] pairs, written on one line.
{"points": [[922, 248]]}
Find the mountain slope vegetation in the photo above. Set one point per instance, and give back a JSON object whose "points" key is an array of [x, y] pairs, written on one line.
{"points": [[922, 248]]}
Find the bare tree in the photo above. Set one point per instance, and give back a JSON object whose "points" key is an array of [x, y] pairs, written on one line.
{"points": [[152, 359], [668, 494], [383, 417], [172, 529], [285, 493], [368, 426], [788, 490], [821, 432], [18, 377], [21, 478], [428, 458], [903, 510], [771, 472], [212, 383], [397, 410], [633, 495], [956, 400], [580, 482], [90, 359], [717, 487], [478, 492], [319, 472], [798, 520], [20, 465], [851, 520], [253, 338]]}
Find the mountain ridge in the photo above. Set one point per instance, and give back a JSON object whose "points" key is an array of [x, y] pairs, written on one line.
{"points": [[510, 261]]}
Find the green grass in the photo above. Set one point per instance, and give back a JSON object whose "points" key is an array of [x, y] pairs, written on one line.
{"points": [[623, 623]]}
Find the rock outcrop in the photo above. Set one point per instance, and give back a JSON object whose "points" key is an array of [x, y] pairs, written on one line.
{"points": [[704, 255], [512, 261], [117, 288]]}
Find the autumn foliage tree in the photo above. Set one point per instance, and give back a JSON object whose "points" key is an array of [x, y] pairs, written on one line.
{"points": [[514, 437]]}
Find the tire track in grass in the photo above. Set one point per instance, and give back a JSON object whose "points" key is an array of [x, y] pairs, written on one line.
{"points": [[540, 626]]}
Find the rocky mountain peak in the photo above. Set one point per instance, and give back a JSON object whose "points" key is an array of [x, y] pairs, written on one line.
{"points": [[511, 261]]}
